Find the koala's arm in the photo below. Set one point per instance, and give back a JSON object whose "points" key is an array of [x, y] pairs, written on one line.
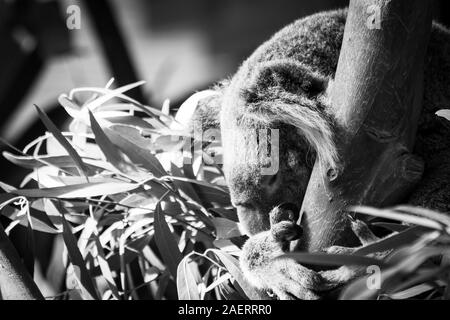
{"points": [[286, 278], [206, 115]]}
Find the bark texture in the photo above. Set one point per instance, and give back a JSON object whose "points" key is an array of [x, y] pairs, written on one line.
{"points": [[377, 98]]}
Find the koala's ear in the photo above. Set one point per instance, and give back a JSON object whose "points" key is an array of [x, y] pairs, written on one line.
{"points": [[207, 114], [200, 112], [286, 91], [284, 76]]}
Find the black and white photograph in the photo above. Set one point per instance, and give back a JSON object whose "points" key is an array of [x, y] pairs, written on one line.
{"points": [[224, 154]]}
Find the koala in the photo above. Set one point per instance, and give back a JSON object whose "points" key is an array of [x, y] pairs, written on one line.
{"points": [[284, 85]]}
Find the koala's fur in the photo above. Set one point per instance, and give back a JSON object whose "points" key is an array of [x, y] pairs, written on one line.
{"points": [[283, 85], [285, 278]]}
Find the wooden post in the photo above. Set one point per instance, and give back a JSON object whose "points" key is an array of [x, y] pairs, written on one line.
{"points": [[377, 99], [15, 281]]}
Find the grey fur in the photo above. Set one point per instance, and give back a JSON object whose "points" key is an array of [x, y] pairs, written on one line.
{"points": [[283, 85]]}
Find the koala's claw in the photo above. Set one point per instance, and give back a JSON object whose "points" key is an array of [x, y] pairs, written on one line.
{"points": [[284, 212], [362, 231], [286, 231]]}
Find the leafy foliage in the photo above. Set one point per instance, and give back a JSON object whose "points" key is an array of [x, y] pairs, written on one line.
{"points": [[143, 217]]}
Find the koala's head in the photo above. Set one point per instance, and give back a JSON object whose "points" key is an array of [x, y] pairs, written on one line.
{"points": [[273, 124]]}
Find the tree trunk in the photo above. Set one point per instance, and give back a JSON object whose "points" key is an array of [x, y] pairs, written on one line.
{"points": [[377, 99], [15, 281]]}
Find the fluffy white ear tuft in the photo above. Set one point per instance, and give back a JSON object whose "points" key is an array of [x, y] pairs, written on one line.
{"points": [[187, 110], [287, 91], [311, 123], [316, 129]]}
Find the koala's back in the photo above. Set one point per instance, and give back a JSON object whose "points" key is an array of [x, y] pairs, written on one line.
{"points": [[316, 40]]}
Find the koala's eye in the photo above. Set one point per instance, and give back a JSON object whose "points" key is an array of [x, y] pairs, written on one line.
{"points": [[273, 180], [314, 87], [271, 183]]}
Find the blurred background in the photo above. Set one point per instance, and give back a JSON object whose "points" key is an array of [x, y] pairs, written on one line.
{"points": [[178, 47], [49, 47]]}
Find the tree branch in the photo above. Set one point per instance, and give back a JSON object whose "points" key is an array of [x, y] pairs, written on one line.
{"points": [[15, 281], [377, 100]]}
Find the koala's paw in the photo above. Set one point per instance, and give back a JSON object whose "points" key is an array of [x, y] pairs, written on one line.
{"points": [[286, 278], [283, 277]]}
